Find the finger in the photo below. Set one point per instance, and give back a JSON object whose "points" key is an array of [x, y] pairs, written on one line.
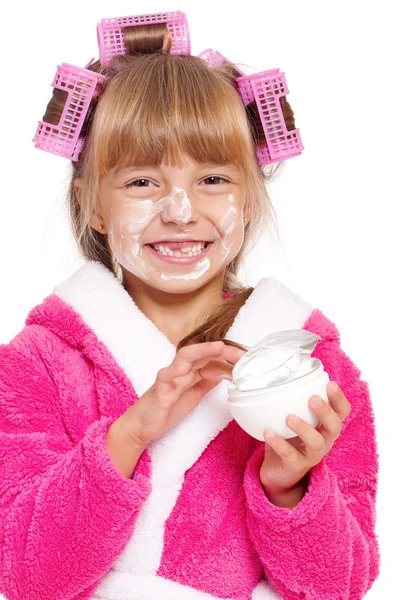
{"points": [[330, 422], [186, 370], [168, 374], [232, 354], [212, 371], [166, 381], [338, 400], [293, 459], [201, 380], [229, 354], [194, 352], [226, 359], [315, 443], [215, 369]]}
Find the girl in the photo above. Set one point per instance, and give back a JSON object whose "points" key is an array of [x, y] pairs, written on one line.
{"points": [[122, 473]]}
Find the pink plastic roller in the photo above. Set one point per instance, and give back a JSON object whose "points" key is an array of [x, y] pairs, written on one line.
{"points": [[267, 88], [64, 139], [110, 33], [214, 58]]}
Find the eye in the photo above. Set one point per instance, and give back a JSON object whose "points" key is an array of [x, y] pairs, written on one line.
{"points": [[216, 177], [141, 180]]}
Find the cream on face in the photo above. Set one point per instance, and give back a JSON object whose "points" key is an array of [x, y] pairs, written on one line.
{"points": [[135, 222]]}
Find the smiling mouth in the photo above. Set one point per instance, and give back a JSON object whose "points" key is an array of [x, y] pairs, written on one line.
{"points": [[178, 256]]}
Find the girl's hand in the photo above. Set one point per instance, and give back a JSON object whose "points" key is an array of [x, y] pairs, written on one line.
{"points": [[287, 462], [178, 389]]}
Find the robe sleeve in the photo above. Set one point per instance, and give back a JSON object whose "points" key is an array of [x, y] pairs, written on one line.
{"points": [[326, 547], [66, 512]]}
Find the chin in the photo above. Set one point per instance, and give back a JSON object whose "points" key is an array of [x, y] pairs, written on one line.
{"points": [[179, 286], [172, 286]]}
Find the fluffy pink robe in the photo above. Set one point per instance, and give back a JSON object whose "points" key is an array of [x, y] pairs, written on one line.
{"points": [[193, 522]]}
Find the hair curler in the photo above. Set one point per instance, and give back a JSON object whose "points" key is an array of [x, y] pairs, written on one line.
{"points": [[214, 58], [110, 33], [266, 89], [64, 138]]}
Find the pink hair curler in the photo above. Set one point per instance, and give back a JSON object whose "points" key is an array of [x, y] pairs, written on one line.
{"points": [[265, 88], [110, 33], [82, 86], [214, 58]]}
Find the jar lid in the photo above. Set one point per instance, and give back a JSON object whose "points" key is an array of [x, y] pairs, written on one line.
{"points": [[277, 359]]}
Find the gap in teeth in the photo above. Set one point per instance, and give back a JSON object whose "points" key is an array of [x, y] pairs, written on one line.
{"points": [[192, 251]]}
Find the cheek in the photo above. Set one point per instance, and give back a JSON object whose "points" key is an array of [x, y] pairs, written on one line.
{"points": [[127, 222], [231, 227], [130, 219]]}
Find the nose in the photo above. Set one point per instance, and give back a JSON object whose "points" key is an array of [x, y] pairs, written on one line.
{"points": [[177, 208]]}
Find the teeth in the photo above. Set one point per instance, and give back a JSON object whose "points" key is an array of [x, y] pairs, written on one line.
{"points": [[191, 251]]}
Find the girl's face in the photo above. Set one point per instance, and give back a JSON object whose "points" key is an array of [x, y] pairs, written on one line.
{"points": [[174, 228]]}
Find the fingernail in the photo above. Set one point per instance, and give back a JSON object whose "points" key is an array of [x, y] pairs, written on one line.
{"points": [[317, 400], [335, 388]]}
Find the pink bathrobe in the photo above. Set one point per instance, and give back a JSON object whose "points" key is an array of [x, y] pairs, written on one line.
{"points": [[193, 522]]}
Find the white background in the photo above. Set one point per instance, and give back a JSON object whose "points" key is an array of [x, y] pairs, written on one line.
{"points": [[336, 203]]}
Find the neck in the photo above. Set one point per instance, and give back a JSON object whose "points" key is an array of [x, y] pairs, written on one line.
{"points": [[174, 314]]}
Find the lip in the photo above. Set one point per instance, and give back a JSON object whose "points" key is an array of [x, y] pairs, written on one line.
{"points": [[178, 239], [176, 260]]}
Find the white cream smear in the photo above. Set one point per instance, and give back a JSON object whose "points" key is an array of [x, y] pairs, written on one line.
{"points": [[126, 227], [278, 358]]}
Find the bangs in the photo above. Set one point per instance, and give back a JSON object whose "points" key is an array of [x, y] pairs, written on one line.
{"points": [[157, 108]]}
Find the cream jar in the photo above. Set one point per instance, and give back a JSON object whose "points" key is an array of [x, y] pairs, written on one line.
{"points": [[274, 378]]}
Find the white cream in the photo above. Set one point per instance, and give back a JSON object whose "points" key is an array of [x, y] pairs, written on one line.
{"points": [[278, 358], [129, 223], [125, 228]]}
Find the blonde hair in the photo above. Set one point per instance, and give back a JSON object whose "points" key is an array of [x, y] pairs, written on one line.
{"points": [[154, 107]]}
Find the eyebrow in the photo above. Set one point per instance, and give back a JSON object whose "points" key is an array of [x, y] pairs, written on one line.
{"points": [[132, 169]]}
